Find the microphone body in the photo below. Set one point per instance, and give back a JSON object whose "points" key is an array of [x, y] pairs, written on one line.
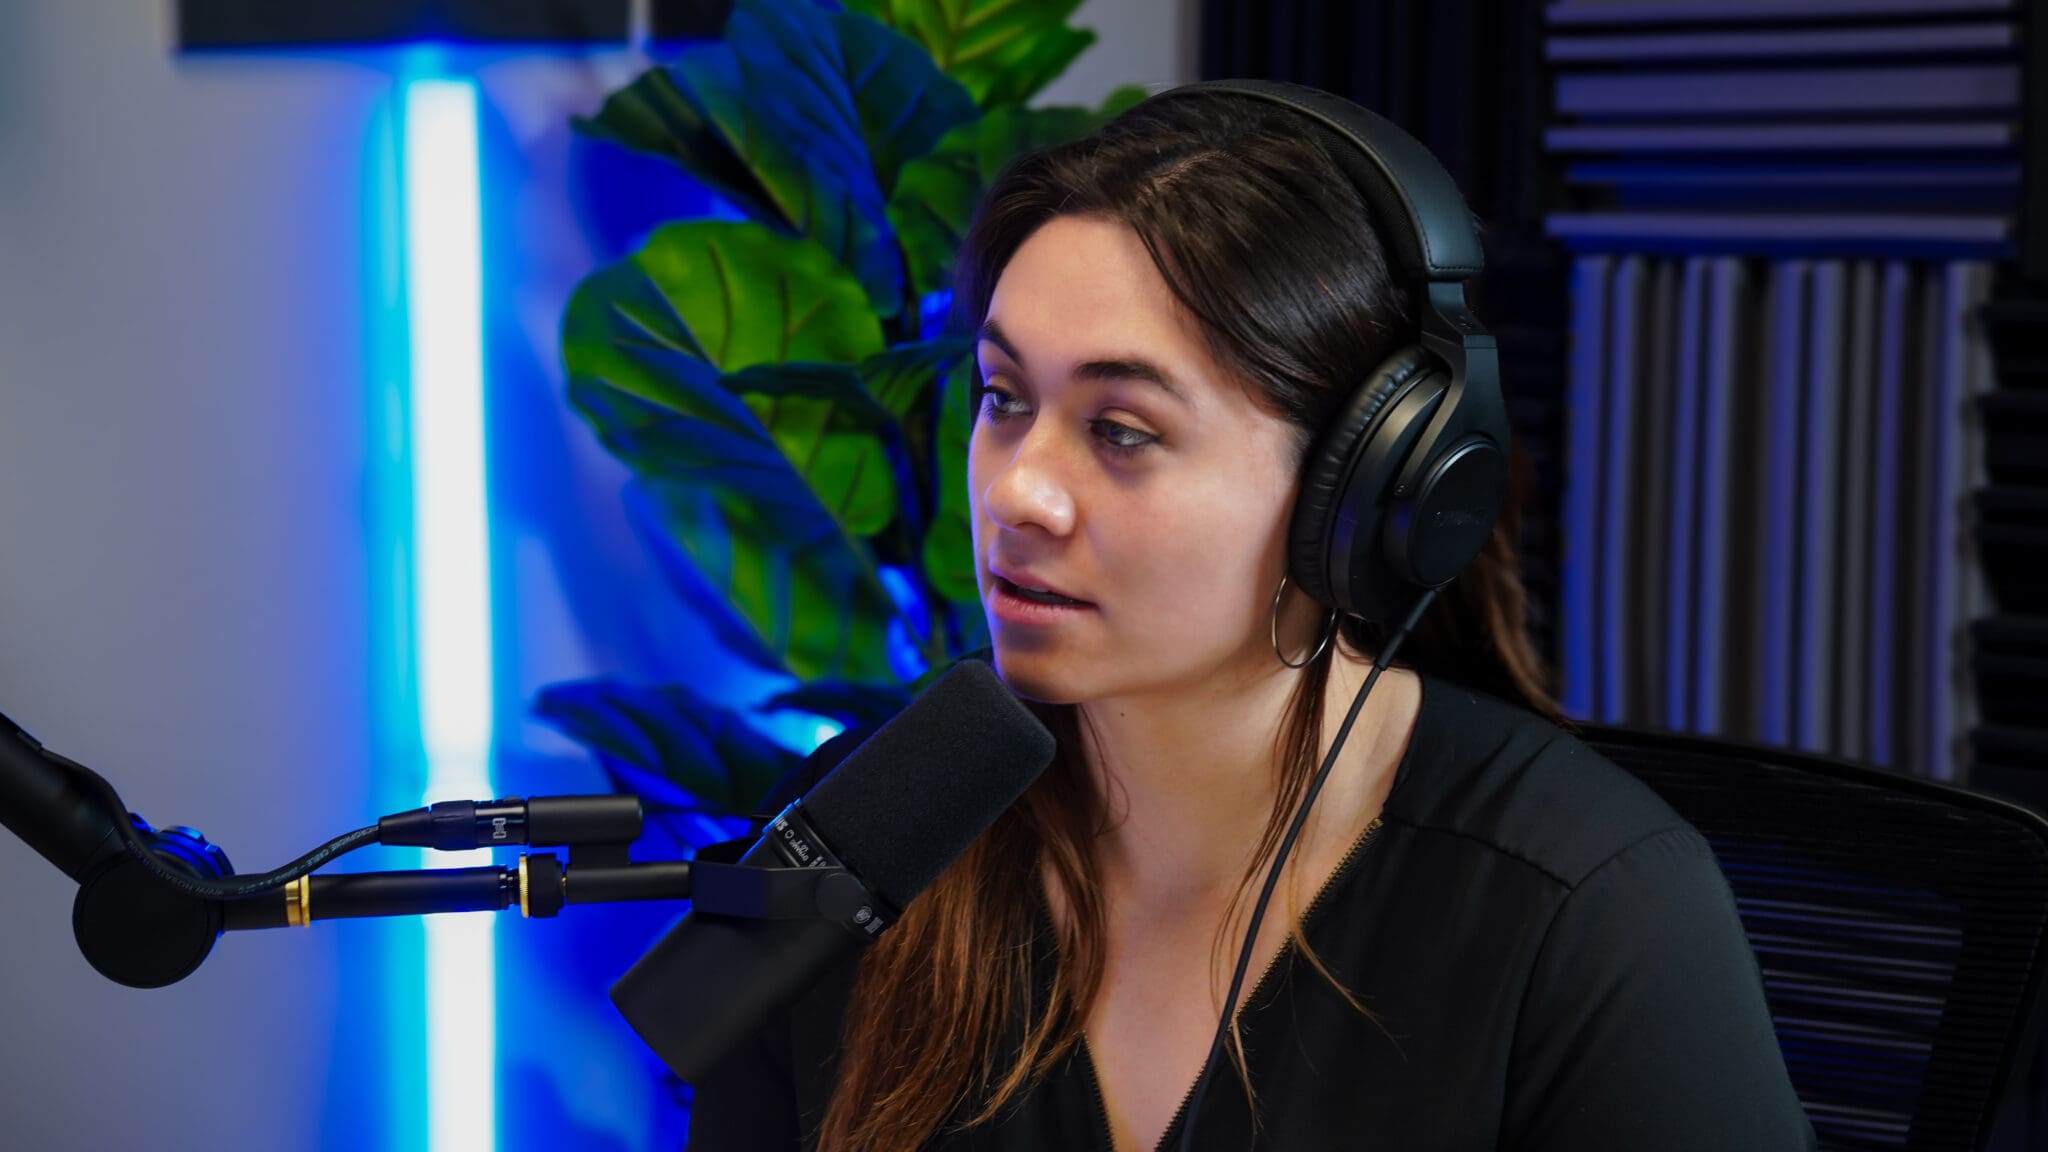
{"points": [[893, 815], [704, 987]]}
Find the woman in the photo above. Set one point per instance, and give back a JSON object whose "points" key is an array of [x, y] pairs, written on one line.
{"points": [[1488, 936]]}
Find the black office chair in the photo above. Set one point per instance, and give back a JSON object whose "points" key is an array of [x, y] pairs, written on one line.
{"points": [[1899, 924]]}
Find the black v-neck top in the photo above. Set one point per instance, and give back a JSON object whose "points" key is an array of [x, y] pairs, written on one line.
{"points": [[1551, 956]]}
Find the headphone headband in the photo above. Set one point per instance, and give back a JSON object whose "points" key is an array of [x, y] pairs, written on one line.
{"points": [[1403, 184]]}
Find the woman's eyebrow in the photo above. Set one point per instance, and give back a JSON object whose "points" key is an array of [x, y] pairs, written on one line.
{"points": [[994, 335], [1122, 368], [1130, 369]]}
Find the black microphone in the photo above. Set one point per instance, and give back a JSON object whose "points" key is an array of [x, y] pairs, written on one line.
{"points": [[892, 815]]}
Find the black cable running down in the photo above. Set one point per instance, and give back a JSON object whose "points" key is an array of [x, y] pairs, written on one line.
{"points": [[1244, 955]]}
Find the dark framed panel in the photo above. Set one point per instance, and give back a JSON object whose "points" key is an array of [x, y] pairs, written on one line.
{"points": [[688, 19], [237, 24]]}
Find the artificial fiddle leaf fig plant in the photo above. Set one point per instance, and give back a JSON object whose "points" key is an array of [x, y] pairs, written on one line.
{"points": [[782, 386]]}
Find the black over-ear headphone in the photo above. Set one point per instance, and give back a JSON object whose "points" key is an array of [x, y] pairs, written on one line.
{"points": [[1402, 489]]}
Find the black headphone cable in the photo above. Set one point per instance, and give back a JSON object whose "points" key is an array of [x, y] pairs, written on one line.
{"points": [[1244, 955]]}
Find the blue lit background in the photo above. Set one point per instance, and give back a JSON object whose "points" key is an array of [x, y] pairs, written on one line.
{"points": [[566, 1071], [562, 1070], [575, 592], [572, 590]]}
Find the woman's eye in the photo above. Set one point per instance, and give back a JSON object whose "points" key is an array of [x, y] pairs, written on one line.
{"points": [[1121, 438], [998, 405]]}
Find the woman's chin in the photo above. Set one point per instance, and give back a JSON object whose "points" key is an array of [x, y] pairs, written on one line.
{"points": [[1038, 676]]}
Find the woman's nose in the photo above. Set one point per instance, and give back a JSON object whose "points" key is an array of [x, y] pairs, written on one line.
{"points": [[1030, 489]]}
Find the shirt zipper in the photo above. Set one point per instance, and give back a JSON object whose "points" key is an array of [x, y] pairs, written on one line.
{"points": [[1167, 1137], [1101, 1105]]}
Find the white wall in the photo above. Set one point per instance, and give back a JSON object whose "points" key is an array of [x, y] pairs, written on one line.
{"points": [[1153, 43], [182, 579], [185, 578]]}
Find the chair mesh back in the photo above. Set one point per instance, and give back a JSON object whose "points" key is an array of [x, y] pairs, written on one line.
{"points": [[1898, 924]]}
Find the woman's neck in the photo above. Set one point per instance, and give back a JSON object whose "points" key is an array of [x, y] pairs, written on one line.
{"points": [[1189, 781]]}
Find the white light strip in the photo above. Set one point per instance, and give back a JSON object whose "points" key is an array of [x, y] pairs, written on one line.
{"points": [[451, 581], [461, 1000]]}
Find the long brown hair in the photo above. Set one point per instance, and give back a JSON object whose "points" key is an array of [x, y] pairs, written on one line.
{"points": [[1271, 249]]}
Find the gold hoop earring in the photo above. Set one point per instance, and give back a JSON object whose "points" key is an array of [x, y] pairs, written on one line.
{"points": [[1329, 629]]}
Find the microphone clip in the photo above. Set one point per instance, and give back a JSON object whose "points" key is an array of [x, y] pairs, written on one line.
{"points": [[813, 892]]}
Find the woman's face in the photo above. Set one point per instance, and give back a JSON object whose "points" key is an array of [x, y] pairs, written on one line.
{"points": [[1115, 462]]}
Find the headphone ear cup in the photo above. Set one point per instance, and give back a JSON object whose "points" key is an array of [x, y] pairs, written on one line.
{"points": [[1312, 531]]}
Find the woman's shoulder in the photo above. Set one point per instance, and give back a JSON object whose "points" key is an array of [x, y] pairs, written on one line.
{"points": [[1503, 779]]}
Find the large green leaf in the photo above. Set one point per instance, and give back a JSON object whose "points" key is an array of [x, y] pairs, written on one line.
{"points": [[807, 455], [623, 327], [652, 115], [937, 194], [901, 378], [787, 567], [849, 84], [706, 296], [829, 429], [726, 293], [731, 633], [823, 108], [904, 103], [902, 381], [749, 296], [812, 595], [1018, 69], [840, 384], [1001, 51], [949, 546], [668, 744], [812, 182], [735, 464]]}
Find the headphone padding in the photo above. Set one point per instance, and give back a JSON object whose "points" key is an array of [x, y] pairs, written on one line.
{"points": [[1330, 464]]}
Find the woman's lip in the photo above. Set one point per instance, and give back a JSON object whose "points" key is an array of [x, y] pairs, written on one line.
{"points": [[1011, 608], [1002, 577]]}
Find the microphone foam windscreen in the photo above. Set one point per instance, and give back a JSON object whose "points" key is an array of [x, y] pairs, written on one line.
{"points": [[916, 794]]}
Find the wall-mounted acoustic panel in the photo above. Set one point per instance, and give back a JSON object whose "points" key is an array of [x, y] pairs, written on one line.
{"points": [[1764, 533], [1826, 128], [1579, 569], [1619, 491], [1826, 183], [1854, 511], [1822, 499]]}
